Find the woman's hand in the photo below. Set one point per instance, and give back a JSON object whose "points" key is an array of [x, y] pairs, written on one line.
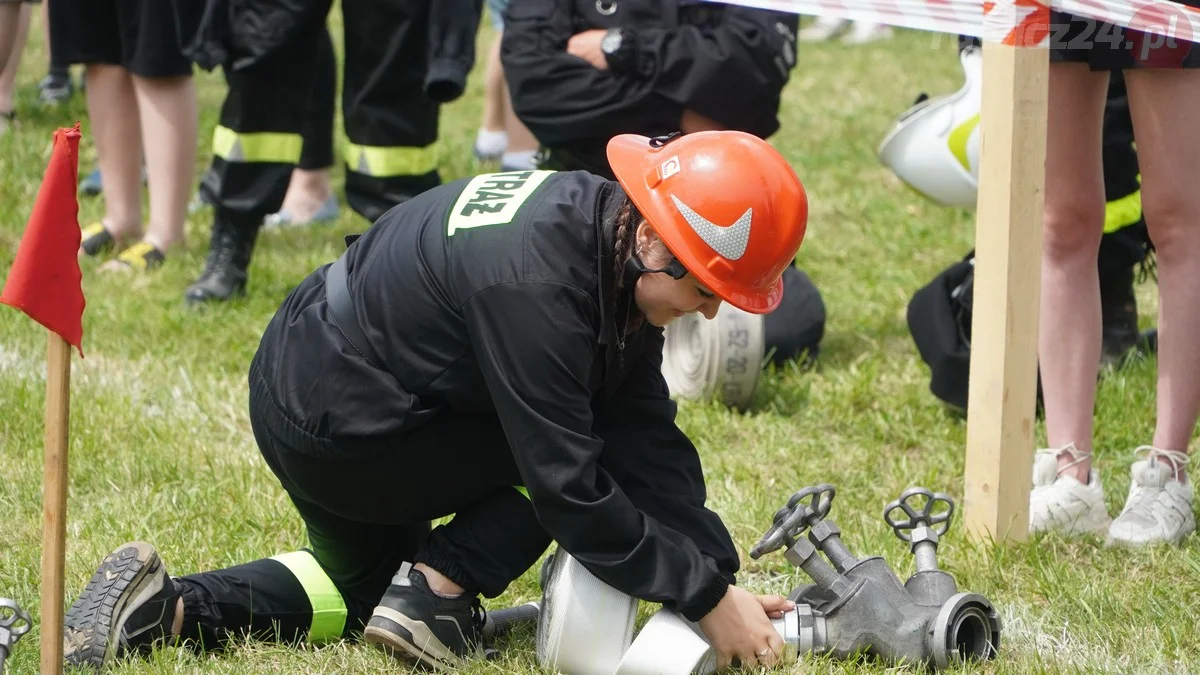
{"points": [[740, 627]]}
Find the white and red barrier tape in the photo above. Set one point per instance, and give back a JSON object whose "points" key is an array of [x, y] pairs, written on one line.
{"points": [[1017, 22]]}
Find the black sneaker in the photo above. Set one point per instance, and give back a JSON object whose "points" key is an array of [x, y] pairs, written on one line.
{"points": [[56, 87], [415, 624], [128, 605]]}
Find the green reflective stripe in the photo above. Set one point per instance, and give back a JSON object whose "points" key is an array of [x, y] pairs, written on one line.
{"points": [[522, 490], [262, 146], [381, 162], [328, 607], [958, 141], [1123, 212]]}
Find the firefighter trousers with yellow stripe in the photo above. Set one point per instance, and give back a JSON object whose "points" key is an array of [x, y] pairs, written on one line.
{"points": [[391, 124], [366, 512]]}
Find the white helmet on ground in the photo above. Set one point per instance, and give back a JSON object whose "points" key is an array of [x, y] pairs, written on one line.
{"points": [[934, 146]]}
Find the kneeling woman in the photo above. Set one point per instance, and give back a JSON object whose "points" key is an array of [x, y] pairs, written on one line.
{"points": [[490, 349]]}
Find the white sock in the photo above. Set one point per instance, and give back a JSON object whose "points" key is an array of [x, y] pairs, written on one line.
{"points": [[520, 160], [490, 142]]}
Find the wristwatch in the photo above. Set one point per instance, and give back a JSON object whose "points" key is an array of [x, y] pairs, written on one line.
{"points": [[611, 42]]}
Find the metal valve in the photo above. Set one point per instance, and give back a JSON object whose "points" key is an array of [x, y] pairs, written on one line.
{"points": [[14, 622], [920, 517]]}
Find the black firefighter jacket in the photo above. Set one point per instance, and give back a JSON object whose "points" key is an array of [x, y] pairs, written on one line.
{"points": [[495, 295], [726, 62]]}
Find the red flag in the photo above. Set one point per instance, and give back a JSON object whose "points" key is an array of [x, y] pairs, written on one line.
{"points": [[45, 281]]}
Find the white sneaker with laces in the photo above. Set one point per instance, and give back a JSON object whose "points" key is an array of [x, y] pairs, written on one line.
{"points": [[824, 28], [1159, 507], [1061, 503], [862, 32]]}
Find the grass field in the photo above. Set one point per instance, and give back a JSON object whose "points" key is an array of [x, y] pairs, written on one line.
{"points": [[161, 448]]}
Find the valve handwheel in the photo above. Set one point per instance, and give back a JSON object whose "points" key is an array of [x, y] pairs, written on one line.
{"points": [[919, 506], [795, 518]]}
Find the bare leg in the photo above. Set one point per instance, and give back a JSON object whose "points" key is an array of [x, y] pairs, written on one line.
{"points": [[492, 139], [169, 128], [113, 110], [495, 91], [438, 582], [1162, 102], [8, 73], [307, 191], [10, 20], [1069, 334], [46, 33], [522, 146]]}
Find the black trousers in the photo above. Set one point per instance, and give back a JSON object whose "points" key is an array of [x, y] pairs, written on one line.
{"points": [[316, 150], [268, 115], [365, 517]]}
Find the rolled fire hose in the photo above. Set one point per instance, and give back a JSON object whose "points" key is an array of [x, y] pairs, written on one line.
{"points": [[585, 627], [668, 645], [722, 357]]}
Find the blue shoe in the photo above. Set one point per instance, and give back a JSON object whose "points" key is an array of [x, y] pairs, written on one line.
{"points": [[197, 204], [91, 185], [329, 211]]}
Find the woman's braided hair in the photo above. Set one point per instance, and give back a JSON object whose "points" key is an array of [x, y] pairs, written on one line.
{"points": [[626, 222], [624, 235]]}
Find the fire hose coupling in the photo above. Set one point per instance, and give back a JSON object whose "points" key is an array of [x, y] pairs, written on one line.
{"points": [[14, 622]]}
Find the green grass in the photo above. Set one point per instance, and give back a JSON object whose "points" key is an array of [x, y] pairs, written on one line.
{"points": [[161, 447]]}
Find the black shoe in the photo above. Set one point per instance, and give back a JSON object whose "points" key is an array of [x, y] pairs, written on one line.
{"points": [[413, 623], [127, 606], [56, 87], [225, 270], [1119, 317]]}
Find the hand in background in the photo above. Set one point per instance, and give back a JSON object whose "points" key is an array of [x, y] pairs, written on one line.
{"points": [[586, 45], [693, 121]]}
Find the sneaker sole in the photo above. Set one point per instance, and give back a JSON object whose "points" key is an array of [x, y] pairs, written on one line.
{"points": [[94, 623], [1118, 542], [409, 640]]}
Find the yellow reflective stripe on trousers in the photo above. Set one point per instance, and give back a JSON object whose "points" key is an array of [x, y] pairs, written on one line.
{"points": [[261, 146], [522, 490], [328, 607], [382, 162], [1123, 212]]}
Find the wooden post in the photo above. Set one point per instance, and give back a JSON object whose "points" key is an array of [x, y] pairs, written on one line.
{"points": [[1008, 244], [54, 501]]}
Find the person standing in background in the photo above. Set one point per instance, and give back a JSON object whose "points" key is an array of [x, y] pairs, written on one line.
{"points": [[141, 101]]}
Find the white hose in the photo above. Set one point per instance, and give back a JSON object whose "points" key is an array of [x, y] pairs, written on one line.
{"points": [[668, 645], [723, 356], [585, 625]]}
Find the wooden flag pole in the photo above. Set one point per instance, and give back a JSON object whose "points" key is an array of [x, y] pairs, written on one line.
{"points": [[54, 501], [1008, 243]]}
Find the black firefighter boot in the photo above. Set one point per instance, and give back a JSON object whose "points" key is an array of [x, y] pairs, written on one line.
{"points": [[1119, 316], [225, 271]]}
